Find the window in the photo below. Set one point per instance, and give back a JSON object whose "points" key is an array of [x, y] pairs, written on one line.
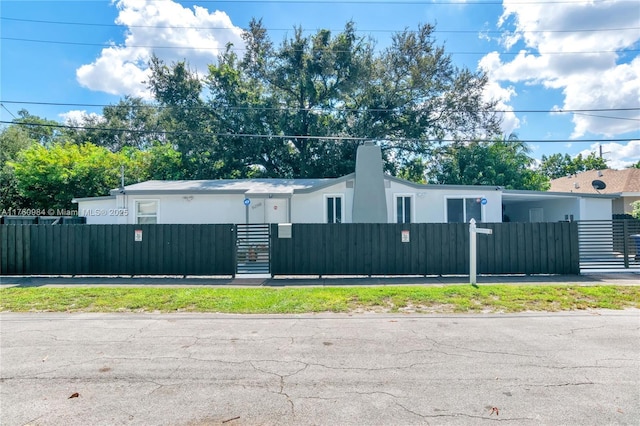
{"points": [[464, 209], [146, 212], [403, 209], [334, 209]]}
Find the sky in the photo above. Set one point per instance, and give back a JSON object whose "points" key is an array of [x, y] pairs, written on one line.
{"points": [[566, 73]]}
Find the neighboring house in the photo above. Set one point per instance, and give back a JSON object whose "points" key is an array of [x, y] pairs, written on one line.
{"points": [[365, 196], [623, 183]]}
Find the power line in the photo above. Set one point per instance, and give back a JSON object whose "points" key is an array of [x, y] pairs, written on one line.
{"points": [[6, 109], [408, 2], [106, 45], [243, 108], [66, 23], [606, 116], [260, 136]]}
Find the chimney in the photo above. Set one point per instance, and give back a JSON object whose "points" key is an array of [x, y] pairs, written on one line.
{"points": [[369, 198]]}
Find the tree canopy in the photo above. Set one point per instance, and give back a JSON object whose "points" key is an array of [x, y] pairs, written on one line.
{"points": [[500, 162], [301, 108], [50, 177], [559, 165]]}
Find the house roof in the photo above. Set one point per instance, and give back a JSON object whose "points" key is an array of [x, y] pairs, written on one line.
{"points": [[443, 186], [230, 186], [510, 196], [617, 181]]}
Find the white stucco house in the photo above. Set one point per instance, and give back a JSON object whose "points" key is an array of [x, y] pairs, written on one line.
{"points": [[365, 196]]}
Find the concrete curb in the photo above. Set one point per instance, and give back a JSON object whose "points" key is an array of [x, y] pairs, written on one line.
{"points": [[626, 278]]}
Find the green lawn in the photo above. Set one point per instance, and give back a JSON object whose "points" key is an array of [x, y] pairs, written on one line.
{"points": [[451, 299]]}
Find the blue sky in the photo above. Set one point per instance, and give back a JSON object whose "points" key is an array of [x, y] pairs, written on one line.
{"points": [[540, 56]]}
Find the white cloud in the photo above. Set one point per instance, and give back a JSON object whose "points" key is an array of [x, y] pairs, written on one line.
{"points": [[602, 79], [77, 117], [177, 33], [494, 92], [618, 156]]}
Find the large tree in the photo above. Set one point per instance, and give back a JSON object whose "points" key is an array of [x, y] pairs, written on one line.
{"points": [[501, 162], [300, 109], [187, 120]]}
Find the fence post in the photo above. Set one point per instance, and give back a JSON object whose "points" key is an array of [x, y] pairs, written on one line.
{"points": [[625, 242], [473, 256]]}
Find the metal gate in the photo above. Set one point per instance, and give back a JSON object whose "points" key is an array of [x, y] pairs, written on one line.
{"points": [[609, 244], [252, 249]]}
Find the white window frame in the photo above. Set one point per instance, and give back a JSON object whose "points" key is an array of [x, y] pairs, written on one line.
{"points": [[146, 200], [464, 206], [412, 207], [325, 207]]}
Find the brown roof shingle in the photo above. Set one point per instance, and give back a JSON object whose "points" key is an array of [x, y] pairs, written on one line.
{"points": [[617, 181]]}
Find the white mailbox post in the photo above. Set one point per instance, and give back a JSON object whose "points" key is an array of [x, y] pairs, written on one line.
{"points": [[473, 255]]}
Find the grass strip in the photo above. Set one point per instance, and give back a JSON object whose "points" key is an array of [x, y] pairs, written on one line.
{"points": [[451, 299]]}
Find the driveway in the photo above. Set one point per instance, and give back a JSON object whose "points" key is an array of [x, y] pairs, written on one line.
{"points": [[576, 368]]}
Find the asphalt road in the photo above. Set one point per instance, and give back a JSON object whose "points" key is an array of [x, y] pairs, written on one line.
{"points": [[576, 368]]}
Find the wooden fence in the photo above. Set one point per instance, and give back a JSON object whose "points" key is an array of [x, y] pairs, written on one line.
{"points": [[429, 249], [313, 249], [117, 249]]}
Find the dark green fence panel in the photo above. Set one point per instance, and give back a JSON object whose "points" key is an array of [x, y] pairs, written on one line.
{"points": [[431, 249], [529, 248], [15, 246], [314, 249], [113, 250]]}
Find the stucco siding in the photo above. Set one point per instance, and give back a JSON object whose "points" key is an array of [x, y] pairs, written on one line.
{"points": [[430, 203], [595, 209], [312, 207], [101, 211]]}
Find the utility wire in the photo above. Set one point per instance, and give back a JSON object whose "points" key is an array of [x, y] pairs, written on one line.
{"points": [[260, 136], [238, 49], [242, 108], [6, 109], [66, 23], [408, 2], [606, 116]]}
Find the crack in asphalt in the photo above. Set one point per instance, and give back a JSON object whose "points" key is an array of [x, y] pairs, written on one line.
{"points": [[573, 330], [376, 393], [431, 350], [461, 348], [471, 416], [564, 384], [282, 381]]}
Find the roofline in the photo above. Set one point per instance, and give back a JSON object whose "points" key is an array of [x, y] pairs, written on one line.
{"points": [[176, 191], [106, 197], [438, 186], [559, 194], [331, 181], [326, 184]]}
